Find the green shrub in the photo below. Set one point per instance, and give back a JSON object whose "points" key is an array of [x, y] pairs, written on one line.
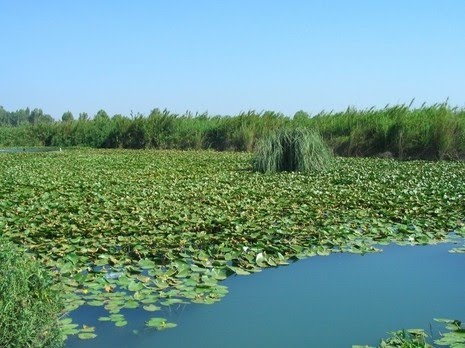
{"points": [[301, 150], [29, 308]]}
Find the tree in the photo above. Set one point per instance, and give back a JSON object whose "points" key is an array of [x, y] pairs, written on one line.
{"points": [[101, 129], [83, 116], [135, 135], [3, 117], [67, 117], [45, 119], [101, 116], [35, 115], [119, 127]]}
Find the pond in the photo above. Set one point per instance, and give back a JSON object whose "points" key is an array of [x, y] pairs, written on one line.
{"points": [[324, 301]]}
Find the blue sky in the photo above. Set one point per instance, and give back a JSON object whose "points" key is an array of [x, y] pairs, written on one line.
{"points": [[225, 57]]}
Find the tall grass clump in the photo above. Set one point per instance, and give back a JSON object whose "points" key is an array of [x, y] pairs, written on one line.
{"points": [[29, 308], [298, 149]]}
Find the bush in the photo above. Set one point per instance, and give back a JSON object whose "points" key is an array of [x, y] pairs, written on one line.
{"points": [[301, 150], [29, 308]]}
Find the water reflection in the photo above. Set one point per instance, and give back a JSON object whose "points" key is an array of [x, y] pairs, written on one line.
{"points": [[332, 301]]}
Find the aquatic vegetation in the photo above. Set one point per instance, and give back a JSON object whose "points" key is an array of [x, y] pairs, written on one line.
{"points": [[160, 324], [127, 229], [412, 338], [298, 150], [29, 308], [454, 337]]}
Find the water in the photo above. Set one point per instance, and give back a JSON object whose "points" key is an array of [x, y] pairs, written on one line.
{"points": [[333, 301]]}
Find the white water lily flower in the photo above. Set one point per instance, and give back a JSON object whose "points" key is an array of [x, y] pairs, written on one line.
{"points": [[411, 239], [245, 248]]}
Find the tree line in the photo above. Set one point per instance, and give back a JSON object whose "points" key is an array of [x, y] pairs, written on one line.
{"points": [[426, 132]]}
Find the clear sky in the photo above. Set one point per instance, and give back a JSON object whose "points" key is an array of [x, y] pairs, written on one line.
{"points": [[225, 57]]}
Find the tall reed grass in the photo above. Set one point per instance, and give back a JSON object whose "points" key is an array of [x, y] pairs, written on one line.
{"points": [[301, 150], [427, 132]]}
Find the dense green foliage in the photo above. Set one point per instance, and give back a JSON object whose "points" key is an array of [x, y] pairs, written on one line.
{"points": [[298, 150], [126, 229], [29, 307], [434, 132], [428, 132], [23, 117]]}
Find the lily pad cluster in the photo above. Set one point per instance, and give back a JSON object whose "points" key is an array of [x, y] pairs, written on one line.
{"points": [[151, 229], [453, 337]]}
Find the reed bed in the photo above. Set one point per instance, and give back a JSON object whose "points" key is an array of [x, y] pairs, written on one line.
{"points": [[301, 150], [427, 132]]}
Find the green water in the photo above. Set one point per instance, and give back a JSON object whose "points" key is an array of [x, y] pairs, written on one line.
{"points": [[332, 301]]}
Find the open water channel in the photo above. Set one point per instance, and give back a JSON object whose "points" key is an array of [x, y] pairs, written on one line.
{"points": [[324, 301]]}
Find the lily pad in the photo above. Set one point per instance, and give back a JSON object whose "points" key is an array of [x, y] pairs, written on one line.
{"points": [[159, 324], [86, 335], [151, 308]]}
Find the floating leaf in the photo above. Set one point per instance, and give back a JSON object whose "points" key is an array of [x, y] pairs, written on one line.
{"points": [[238, 271], [142, 278], [171, 301], [86, 335], [121, 323], [86, 328], [95, 303], [159, 323], [104, 319], [131, 304], [135, 286], [151, 308]]}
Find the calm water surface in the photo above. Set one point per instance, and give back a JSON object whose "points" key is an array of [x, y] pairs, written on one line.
{"points": [[332, 301]]}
